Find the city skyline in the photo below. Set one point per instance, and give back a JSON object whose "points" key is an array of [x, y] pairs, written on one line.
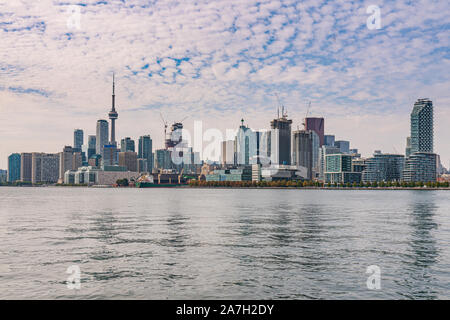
{"points": [[221, 69]]}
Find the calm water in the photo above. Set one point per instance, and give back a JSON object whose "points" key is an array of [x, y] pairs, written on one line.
{"points": [[223, 244]]}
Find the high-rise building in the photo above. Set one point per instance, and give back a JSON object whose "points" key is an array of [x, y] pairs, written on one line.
{"points": [[318, 126], [242, 144], [324, 150], [110, 155], [302, 150], [420, 167], [142, 165], [163, 159], [14, 167], [44, 167], [127, 144], [344, 146], [383, 167], [78, 138], [422, 126], [408, 147], [280, 151], [65, 161], [128, 159], [101, 136], [25, 167], [89, 149], [113, 115], [3, 175], [329, 140], [145, 151], [227, 153], [339, 169]]}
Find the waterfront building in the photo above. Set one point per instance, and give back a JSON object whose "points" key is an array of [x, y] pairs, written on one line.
{"points": [[280, 140], [69, 160], [78, 138], [14, 167], [107, 175], [3, 176], [243, 173], [420, 167], [344, 146], [408, 147], [277, 172], [44, 167], [329, 140], [163, 159], [422, 126], [101, 138], [358, 164], [25, 167], [128, 160], [383, 167], [318, 126], [145, 151], [324, 150], [339, 169], [127, 144]]}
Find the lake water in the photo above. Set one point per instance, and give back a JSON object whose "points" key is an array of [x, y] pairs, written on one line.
{"points": [[223, 243]]}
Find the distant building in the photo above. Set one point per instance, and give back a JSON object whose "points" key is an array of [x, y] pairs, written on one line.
{"points": [[102, 136], [3, 176], [69, 160], [25, 167], [239, 174], [277, 172], [227, 156], [408, 147], [107, 175], [44, 167], [95, 160], [281, 140], [324, 150], [344, 146], [142, 165], [89, 149], [127, 144], [318, 126], [78, 138], [163, 159], [128, 160], [14, 167], [420, 167], [110, 156], [329, 140], [383, 167], [145, 151], [302, 150]]}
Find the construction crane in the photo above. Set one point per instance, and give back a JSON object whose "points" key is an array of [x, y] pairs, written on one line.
{"points": [[165, 127], [306, 115], [283, 114]]}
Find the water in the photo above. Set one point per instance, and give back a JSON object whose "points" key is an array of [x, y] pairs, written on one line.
{"points": [[223, 243]]}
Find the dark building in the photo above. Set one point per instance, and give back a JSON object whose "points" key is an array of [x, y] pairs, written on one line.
{"points": [[281, 140], [318, 126]]}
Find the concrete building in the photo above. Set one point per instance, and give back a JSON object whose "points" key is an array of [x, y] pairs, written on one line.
{"points": [[14, 167], [420, 167], [302, 150], [69, 160], [128, 160], [383, 167], [25, 167], [142, 165], [110, 156], [44, 167], [107, 175], [101, 138]]}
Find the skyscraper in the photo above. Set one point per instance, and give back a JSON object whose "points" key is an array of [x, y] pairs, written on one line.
{"points": [[78, 139], [344, 146], [145, 151], [227, 153], [102, 136], [422, 126], [318, 126], [89, 149], [280, 152], [113, 115], [14, 167], [25, 167], [128, 159], [44, 167], [329, 140], [302, 150], [127, 144]]}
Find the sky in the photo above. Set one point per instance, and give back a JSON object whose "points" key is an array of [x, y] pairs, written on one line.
{"points": [[218, 62]]}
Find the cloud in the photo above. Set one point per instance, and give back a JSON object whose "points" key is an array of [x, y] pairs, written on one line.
{"points": [[219, 61]]}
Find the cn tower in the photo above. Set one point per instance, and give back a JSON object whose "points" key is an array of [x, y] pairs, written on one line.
{"points": [[113, 115]]}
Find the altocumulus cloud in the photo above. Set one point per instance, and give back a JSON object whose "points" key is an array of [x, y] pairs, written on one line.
{"points": [[219, 61]]}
